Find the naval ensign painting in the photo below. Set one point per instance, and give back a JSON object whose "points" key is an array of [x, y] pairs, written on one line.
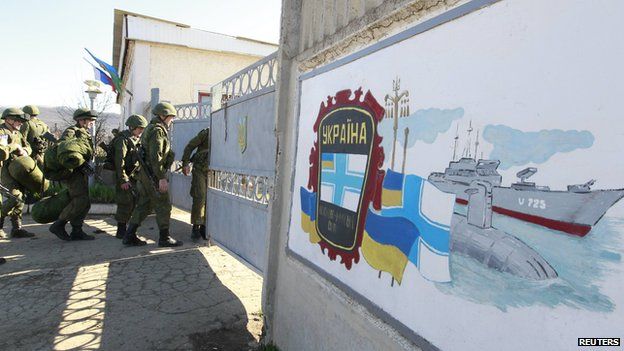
{"points": [[464, 181]]}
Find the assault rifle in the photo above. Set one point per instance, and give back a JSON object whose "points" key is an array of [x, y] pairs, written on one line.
{"points": [[88, 170], [148, 171], [5, 191]]}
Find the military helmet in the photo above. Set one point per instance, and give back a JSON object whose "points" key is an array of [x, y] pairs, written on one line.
{"points": [[15, 113], [31, 110], [136, 121], [83, 113], [164, 109]]}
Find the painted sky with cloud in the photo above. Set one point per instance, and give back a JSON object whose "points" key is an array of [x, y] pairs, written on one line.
{"points": [[514, 147], [425, 125]]}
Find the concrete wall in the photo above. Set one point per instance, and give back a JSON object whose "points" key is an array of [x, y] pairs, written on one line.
{"points": [[304, 311], [180, 72]]}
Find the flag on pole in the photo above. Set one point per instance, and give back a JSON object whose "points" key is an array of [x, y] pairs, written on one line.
{"points": [[103, 77], [112, 72]]}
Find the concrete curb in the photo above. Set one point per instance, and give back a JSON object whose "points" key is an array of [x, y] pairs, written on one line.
{"points": [[103, 209], [96, 209]]}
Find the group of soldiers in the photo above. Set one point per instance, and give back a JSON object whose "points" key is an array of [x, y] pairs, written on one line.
{"points": [[141, 158]]}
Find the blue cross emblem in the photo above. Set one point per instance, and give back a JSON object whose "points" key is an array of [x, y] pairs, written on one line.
{"points": [[338, 176]]}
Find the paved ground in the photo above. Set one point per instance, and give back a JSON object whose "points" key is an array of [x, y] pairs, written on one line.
{"points": [[57, 295]]}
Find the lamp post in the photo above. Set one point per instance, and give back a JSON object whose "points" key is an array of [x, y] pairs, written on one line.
{"points": [[93, 90]]}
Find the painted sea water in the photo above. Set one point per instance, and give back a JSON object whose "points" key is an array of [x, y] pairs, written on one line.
{"points": [[583, 264]]}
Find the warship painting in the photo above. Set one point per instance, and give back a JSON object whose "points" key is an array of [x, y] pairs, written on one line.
{"points": [[574, 211]]}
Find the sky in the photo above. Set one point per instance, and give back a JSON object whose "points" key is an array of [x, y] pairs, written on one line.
{"points": [[42, 42]]}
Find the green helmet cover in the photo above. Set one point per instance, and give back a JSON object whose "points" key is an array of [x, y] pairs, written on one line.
{"points": [[15, 113], [83, 113], [31, 110], [164, 109], [136, 121]]}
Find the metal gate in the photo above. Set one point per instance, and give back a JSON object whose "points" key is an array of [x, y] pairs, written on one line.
{"points": [[242, 158]]}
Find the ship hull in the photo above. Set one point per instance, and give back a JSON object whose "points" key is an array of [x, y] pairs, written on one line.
{"points": [[569, 212]]}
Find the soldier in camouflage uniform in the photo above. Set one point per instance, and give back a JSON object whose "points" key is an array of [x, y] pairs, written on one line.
{"points": [[155, 160], [4, 155], [201, 142], [124, 146], [77, 183], [37, 134], [17, 146]]}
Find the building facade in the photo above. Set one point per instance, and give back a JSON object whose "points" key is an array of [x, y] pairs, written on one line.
{"points": [[170, 61]]}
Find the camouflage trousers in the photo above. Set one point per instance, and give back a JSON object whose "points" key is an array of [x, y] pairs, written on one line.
{"points": [[198, 193], [151, 199], [10, 206], [126, 201], [78, 187]]}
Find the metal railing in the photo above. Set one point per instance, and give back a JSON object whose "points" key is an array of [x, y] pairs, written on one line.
{"points": [[193, 111], [252, 79]]}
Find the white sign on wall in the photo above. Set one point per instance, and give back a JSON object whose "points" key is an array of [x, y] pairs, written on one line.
{"points": [[467, 180]]}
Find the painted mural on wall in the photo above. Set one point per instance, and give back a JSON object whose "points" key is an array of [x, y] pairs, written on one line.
{"points": [[430, 189]]}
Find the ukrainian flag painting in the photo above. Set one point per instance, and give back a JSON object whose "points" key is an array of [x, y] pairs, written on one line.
{"points": [[416, 214], [308, 214]]}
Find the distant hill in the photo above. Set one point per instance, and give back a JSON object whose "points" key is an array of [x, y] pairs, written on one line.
{"points": [[60, 117]]}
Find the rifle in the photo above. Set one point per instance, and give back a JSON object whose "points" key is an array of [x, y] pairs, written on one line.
{"points": [[88, 170], [144, 166], [5, 191], [49, 137]]}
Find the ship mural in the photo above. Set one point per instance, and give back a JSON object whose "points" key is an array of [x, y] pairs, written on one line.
{"points": [[573, 211]]}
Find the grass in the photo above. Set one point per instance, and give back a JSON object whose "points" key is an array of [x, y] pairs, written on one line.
{"points": [[99, 193], [269, 347]]}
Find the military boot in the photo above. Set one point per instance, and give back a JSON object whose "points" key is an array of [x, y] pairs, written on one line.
{"points": [[121, 230], [78, 234], [165, 240], [130, 237], [58, 228], [195, 232], [202, 231], [17, 231]]}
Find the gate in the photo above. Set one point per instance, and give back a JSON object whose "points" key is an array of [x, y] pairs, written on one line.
{"points": [[242, 160]]}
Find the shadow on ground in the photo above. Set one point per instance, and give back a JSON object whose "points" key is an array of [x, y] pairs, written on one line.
{"points": [[100, 295]]}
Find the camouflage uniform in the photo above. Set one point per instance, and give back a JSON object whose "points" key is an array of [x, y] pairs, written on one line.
{"points": [[157, 160], [34, 131], [77, 185], [201, 142], [126, 163], [13, 140], [4, 155]]}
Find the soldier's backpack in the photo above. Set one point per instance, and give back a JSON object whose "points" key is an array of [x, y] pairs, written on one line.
{"points": [[24, 170], [109, 161], [49, 208], [52, 168], [60, 160]]}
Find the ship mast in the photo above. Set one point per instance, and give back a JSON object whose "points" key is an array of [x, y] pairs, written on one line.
{"points": [[393, 102], [476, 145], [404, 150], [455, 143], [468, 142]]}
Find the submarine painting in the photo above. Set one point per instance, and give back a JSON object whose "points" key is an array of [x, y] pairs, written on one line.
{"points": [[458, 204]]}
